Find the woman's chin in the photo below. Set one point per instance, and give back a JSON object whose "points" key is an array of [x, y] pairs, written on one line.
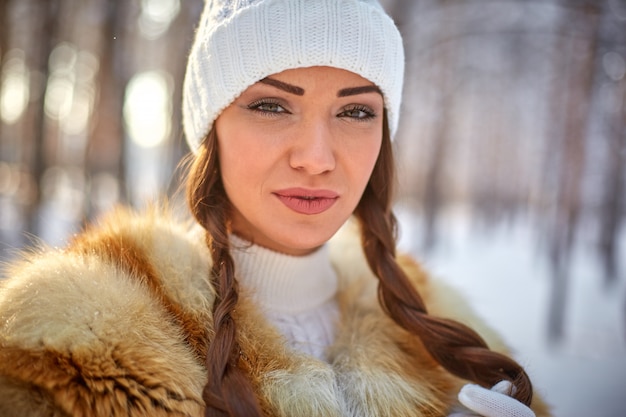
{"points": [[295, 244]]}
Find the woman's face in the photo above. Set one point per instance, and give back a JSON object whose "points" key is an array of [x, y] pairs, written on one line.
{"points": [[296, 151]]}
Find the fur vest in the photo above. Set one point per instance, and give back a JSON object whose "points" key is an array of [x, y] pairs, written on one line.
{"points": [[118, 323]]}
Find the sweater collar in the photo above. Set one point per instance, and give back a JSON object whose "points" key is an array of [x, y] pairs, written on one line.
{"points": [[281, 282]]}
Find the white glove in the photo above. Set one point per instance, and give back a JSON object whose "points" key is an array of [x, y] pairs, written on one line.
{"points": [[491, 403]]}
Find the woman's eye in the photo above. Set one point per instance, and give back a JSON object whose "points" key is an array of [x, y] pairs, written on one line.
{"points": [[265, 106], [358, 113]]}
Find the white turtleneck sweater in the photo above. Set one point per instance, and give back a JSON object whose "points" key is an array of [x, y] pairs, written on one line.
{"points": [[297, 293]]}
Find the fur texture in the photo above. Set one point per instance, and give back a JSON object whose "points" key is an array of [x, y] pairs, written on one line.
{"points": [[118, 324]]}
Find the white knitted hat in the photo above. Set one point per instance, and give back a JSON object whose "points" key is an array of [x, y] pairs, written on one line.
{"points": [[240, 42]]}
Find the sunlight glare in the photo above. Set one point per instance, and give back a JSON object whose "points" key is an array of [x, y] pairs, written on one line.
{"points": [[156, 17], [60, 89], [82, 101], [147, 109], [15, 87]]}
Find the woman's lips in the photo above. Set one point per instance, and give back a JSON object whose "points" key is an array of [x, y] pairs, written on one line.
{"points": [[306, 201]]}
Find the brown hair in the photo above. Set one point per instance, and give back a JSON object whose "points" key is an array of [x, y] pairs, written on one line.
{"points": [[228, 391], [455, 346]]}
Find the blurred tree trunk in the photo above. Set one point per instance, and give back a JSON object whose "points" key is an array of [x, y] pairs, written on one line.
{"points": [[4, 46], [613, 104], [48, 17], [445, 68], [4, 26], [105, 150], [180, 37], [402, 12], [613, 204], [571, 106]]}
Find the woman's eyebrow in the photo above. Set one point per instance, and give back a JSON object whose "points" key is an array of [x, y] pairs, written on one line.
{"points": [[293, 89], [358, 90]]}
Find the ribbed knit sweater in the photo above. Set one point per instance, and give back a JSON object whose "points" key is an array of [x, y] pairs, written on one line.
{"points": [[297, 293]]}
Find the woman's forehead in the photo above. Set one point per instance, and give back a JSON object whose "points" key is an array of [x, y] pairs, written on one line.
{"points": [[325, 73]]}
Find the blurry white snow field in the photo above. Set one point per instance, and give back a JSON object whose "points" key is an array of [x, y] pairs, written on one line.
{"points": [[506, 278]]}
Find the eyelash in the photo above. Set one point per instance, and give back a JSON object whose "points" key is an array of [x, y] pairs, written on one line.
{"points": [[257, 105], [369, 113]]}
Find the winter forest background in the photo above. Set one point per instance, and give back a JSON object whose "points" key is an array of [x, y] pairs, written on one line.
{"points": [[511, 149]]}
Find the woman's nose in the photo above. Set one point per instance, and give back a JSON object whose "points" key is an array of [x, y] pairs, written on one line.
{"points": [[312, 149]]}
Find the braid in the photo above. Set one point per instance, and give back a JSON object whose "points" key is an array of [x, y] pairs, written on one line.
{"points": [[228, 391], [455, 346]]}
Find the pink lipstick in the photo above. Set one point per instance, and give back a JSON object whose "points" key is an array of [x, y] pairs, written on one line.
{"points": [[306, 201]]}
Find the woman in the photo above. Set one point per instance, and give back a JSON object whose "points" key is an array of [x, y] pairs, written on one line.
{"points": [[290, 106]]}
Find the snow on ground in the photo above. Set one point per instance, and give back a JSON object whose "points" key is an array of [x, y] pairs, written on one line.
{"points": [[507, 280]]}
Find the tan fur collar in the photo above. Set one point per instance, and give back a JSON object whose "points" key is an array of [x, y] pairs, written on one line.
{"points": [[152, 267], [375, 368]]}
